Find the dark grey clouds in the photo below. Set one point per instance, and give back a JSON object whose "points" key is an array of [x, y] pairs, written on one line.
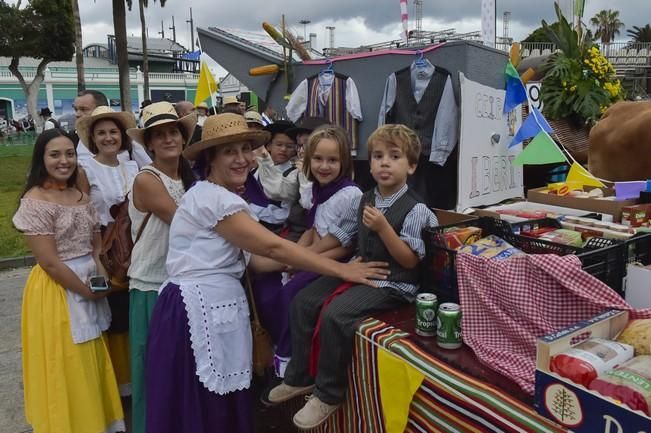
{"points": [[377, 14]]}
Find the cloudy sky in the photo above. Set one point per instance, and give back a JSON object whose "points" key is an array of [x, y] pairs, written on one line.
{"points": [[356, 22]]}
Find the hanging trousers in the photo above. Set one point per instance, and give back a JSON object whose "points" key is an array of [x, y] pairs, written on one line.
{"points": [[336, 335]]}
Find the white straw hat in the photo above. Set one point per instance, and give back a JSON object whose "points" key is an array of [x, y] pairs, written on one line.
{"points": [[160, 113], [223, 129]]}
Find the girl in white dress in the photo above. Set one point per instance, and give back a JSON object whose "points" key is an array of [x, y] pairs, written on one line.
{"points": [[198, 363], [107, 179]]}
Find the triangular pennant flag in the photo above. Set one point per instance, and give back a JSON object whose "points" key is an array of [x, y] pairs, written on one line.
{"points": [[531, 127], [581, 176], [206, 85], [541, 150], [516, 94], [399, 381], [541, 120]]}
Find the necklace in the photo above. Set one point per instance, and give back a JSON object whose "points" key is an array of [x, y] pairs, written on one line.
{"points": [[53, 184]]}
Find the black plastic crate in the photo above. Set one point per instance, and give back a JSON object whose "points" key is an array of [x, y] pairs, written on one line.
{"points": [[638, 249], [607, 263]]}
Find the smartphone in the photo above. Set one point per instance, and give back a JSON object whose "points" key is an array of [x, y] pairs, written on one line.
{"points": [[98, 283]]}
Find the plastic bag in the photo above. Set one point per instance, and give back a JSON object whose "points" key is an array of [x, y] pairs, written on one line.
{"points": [[585, 361], [629, 383]]}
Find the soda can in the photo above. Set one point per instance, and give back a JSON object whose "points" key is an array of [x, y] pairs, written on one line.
{"points": [[426, 314], [448, 326]]}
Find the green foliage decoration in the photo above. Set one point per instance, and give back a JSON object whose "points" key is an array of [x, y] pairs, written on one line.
{"points": [[579, 82]]}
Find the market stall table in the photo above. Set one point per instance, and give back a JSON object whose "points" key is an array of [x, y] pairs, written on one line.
{"points": [[458, 393]]}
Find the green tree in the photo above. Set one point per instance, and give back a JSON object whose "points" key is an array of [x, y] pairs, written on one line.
{"points": [[607, 25], [540, 35], [640, 34], [143, 4], [44, 30]]}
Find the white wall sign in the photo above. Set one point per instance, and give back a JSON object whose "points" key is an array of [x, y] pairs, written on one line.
{"points": [[487, 174], [533, 93]]}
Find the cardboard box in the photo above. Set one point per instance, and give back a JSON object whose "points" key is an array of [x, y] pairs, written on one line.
{"points": [[574, 406], [491, 211], [638, 286], [447, 217], [604, 205]]}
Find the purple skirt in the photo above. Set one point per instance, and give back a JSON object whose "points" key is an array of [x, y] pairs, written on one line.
{"points": [[273, 301], [177, 402]]}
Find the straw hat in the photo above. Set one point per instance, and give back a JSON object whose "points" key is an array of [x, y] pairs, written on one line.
{"points": [[84, 125], [202, 105], [223, 129], [230, 100], [160, 113], [253, 117]]}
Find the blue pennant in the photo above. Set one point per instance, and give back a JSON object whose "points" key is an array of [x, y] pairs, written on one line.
{"points": [[534, 123], [516, 94]]}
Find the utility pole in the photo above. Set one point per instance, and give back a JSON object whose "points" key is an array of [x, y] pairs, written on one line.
{"points": [[305, 23], [191, 21], [173, 29], [162, 30]]}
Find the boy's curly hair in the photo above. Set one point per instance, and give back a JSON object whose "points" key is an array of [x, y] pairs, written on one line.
{"points": [[400, 135]]}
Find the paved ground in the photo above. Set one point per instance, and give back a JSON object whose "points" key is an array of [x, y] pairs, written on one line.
{"points": [[12, 419]]}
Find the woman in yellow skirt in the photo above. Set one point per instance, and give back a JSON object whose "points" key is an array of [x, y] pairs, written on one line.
{"points": [[68, 377]]}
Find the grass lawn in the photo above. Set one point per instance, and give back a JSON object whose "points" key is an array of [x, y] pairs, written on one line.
{"points": [[14, 163]]}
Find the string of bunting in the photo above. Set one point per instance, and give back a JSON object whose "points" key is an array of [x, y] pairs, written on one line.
{"points": [[543, 149]]}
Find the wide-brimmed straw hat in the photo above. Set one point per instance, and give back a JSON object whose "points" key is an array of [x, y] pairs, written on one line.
{"points": [[253, 117], [160, 113], [230, 100], [223, 129], [202, 105], [84, 125]]}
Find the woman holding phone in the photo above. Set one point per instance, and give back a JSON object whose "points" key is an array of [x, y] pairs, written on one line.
{"points": [[68, 377]]}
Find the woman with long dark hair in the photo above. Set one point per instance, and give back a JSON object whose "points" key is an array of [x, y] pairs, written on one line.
{"points": [[69, 383], [107, 179], [156, 193]]}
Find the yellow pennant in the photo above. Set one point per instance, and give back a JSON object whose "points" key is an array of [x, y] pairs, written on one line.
{"points": [[206, 85], [579, 175], [399, 381]]}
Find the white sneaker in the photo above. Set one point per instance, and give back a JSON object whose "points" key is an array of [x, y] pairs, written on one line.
{"points": [[314, 413], [284, 392]]}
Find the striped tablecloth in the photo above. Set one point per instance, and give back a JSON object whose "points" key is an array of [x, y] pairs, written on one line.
{"points": [[447, 401]]}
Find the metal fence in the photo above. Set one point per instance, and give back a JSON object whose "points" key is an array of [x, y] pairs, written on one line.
{"points": [[622, 55]]}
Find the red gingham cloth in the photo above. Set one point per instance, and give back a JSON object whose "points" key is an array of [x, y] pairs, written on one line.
{"points": [[506, 305]]}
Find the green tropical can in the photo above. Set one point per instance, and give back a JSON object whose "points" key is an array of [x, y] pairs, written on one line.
{"points": [[448, 326], [426, 314]]}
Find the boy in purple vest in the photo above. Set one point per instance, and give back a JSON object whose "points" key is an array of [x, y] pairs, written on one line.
{"points": [[387, 221]]}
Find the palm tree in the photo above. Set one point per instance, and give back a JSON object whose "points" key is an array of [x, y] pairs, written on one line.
{"points": [[640, 34], [79, 55], [142, 5], [607, 24], [120, 25]]}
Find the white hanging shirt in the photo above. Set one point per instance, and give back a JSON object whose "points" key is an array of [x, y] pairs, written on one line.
{"points": [[446, 123], [298, 102]]}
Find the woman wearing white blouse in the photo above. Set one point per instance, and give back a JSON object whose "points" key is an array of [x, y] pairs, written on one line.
{"points": [[107, 179]]}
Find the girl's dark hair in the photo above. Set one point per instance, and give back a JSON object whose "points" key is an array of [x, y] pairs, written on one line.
{"points": [[185, 170], [37, 172], [126, 140]]}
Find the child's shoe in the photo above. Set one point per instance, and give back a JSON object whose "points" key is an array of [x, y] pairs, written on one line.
{"points": [[284, 392], [314, 413]]}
